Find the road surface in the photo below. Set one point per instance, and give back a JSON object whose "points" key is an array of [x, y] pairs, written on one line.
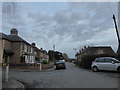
{"points": [[72, 77]]}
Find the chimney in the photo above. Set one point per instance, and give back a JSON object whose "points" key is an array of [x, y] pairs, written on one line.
{"points": [[33, 44], [41, 49], [85, 47], [13, 31]]}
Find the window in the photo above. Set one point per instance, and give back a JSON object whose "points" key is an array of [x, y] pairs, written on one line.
{"points": [[108, 60], [31, 50], [25, 48], [100, 60], [114, 60]]}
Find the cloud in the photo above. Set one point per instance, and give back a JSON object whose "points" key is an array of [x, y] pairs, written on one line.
{"points": [[68, 28]]}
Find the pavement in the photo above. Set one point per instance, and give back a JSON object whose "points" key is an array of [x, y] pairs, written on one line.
{"points": [[12, 83], [15, 84]]}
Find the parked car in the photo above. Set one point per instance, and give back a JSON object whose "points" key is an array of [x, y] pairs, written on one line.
{"points": [[55, 62], [62, 61], [105, 63], [60, 65], [59, 61]]}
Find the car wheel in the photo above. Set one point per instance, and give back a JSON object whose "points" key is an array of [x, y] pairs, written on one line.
{"points": [[95, 69], [57, 68], [118, 69], [64, 67]]}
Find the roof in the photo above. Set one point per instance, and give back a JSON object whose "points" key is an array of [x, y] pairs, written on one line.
{"points": [[3, 36], [12, 38], [15, 38], [94, 49], [98, 47], [36, 49]]}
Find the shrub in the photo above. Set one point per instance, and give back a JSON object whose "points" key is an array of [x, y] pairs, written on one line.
{"points": [[45, 62]]}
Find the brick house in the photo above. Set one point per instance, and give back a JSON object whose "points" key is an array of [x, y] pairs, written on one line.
{"points": [[43, 54], [23, 52], [40, 54], [100, 50]]}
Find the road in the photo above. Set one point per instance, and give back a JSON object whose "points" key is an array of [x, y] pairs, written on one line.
{"points": [[0, 76], [72, 77]]}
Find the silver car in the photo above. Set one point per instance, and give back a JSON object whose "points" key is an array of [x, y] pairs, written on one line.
{"points": [[106, 63]]}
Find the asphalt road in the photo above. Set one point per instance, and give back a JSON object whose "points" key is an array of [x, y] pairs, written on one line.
{"points": [[72, 77]]}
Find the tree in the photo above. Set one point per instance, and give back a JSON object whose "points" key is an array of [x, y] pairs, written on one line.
{"points": [[65, 56], [54, 55]]}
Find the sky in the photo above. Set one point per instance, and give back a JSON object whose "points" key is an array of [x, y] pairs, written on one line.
{"points": [[67, 25]]}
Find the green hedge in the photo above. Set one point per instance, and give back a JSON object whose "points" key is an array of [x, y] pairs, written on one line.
{"points": [[45, 62], [86, 60]]}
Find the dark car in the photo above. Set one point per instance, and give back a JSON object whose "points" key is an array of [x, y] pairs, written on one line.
{"points": [[60, 65], [55, 62]]}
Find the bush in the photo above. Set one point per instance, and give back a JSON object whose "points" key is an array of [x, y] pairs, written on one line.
{"points": [[45, 62], [86, 60]]}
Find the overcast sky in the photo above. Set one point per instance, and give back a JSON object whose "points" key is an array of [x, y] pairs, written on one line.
{"points": [[67, 25]]}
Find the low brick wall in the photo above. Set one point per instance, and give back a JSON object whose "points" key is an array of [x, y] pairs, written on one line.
{"points": [[47, 66], [31, 66]]}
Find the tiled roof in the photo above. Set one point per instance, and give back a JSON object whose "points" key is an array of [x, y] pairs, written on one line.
{"points": [[12, 38], [3, 36], [93, 49], [15, 38]]}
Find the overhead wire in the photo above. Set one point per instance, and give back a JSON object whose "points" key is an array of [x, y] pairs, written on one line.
{"points": [[110, 8], [103, 22]]}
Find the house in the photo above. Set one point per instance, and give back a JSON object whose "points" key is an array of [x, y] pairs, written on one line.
{"points": [[17, 49], [95, 50], [21, 49], [43, 54]]}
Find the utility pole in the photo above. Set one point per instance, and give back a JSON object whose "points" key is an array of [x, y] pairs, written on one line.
{"points": [[118, 51]]}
